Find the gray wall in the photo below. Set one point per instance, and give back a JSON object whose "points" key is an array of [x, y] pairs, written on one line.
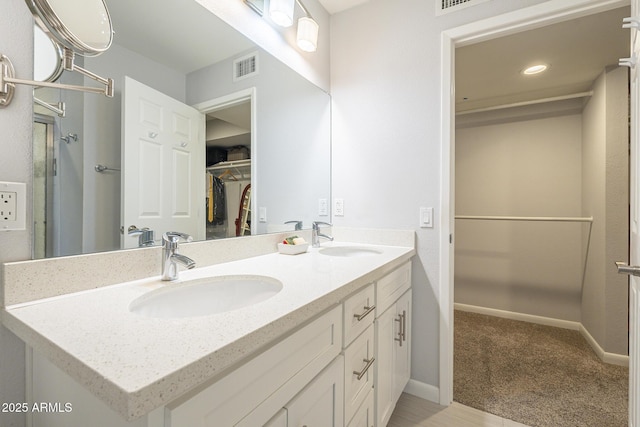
{"points": [[605, 197], [522, 168], [385, 87], [16, 40]]}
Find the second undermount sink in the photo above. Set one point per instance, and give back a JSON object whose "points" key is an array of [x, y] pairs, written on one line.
{"points": [[201, 297], [349, 251]]}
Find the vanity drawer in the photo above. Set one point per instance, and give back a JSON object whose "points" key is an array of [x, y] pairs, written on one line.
{"points": [[266, 377], [359, 312], [364, 415], [358, 372], [392, 286]]}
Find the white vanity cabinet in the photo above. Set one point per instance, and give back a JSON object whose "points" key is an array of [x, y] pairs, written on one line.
{"points": [[393, 333], [345, 367]]}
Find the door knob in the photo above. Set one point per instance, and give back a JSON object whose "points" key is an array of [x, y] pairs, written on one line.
{"points": [[628, 269]]}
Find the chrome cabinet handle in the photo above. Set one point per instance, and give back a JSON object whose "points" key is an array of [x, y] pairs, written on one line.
{"points": [[624, 268], [404, 325], [368, 362], [402, 329], [367, 311]]}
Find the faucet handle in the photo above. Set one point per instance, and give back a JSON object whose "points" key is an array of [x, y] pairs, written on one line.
{"points": [[297, 223], [316, 224], [146, 236], [170, 239]]}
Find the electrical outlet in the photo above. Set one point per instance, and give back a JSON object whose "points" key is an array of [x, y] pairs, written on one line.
{"points": [[8, 205], [262, 214], [13, 206]]}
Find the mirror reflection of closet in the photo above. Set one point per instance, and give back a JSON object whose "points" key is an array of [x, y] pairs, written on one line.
{"points": [[229, 171]]}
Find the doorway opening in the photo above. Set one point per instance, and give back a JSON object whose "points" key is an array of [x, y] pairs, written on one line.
{"points": [[230, 164], [511, 23]]}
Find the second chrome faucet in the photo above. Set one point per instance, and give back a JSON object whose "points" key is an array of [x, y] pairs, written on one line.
{"points": [[315, 233], [170, 256]]}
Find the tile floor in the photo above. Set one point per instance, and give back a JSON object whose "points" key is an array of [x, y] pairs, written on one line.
{"points": [[412, 411]]}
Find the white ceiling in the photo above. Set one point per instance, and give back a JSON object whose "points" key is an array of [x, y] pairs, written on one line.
{"points": [[335, 6], [489, 73]]}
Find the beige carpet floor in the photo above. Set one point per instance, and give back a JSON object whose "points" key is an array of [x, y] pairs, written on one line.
{"points": [[537, 375]]}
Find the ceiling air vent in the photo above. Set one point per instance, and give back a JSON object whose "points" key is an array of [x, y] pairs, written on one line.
{"points": [[445, 6], [246, 66]]}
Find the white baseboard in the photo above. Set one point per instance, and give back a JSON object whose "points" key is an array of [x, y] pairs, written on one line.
{"points": [[540, 320], [612, 358], [423, 390]]}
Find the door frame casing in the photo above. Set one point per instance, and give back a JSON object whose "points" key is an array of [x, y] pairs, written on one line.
{"points": [[540, 15], [225, 101]]}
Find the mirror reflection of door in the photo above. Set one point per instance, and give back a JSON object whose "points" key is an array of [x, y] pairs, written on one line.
{"points": [[43, 176], [162, 164]]}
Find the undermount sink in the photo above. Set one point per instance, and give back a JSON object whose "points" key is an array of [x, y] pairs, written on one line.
{"points": [[349, 251], [201, 297]]}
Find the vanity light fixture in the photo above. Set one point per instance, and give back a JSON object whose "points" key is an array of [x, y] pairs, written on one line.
{"points": [[307, 31], [535, 69], [307, 34], [282, 11]]}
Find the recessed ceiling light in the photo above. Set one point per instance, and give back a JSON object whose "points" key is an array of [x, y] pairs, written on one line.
{"points": [[534, 69]]}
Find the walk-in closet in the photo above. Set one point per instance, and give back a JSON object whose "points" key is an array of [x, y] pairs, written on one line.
{"points": [[228, 172], [541, 214]]}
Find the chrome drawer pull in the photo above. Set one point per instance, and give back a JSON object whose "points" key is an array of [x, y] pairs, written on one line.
{"points": [[363, 315], [365, 369]]}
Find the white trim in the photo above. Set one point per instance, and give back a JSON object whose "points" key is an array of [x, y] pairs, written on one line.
{"points": [[512, 315], [422, 390], [612, 358], [536, 16]]}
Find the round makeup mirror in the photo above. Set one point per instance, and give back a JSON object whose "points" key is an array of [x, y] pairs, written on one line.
{"points": [[83, 27], [47, 58]]}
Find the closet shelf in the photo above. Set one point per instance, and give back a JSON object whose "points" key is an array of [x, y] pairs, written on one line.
{"points": [[241, 167]]}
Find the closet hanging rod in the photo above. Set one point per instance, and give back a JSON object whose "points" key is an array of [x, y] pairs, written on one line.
{"points": [[526, 218], [230, 164], [525, 103]]}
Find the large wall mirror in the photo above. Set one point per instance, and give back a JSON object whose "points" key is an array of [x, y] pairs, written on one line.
{"points": [[254, 155]]}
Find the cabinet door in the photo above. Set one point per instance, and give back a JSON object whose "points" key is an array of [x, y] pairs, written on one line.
{"points": [[386, 332], [321, 403], [402, 349]]}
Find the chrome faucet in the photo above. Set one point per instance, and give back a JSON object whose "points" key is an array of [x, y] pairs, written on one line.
{"points": [[145, 236], [170, 256], [298, 224], [315, 233]]}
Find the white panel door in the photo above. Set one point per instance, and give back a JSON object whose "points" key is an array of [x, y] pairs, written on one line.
{"points": [[163, 164], [634, 227], [634, 233]]}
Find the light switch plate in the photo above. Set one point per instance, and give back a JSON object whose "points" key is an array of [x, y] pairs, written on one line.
{"points": [[323, 207], [426, 217], [338, 207], [13, 204], [262, 214]]}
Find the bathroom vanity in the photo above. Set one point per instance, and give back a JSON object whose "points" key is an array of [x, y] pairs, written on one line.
{"points": [[330, 348]]}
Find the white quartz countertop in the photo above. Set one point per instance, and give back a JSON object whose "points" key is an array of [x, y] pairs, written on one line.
{"points": [[136, 364]]}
